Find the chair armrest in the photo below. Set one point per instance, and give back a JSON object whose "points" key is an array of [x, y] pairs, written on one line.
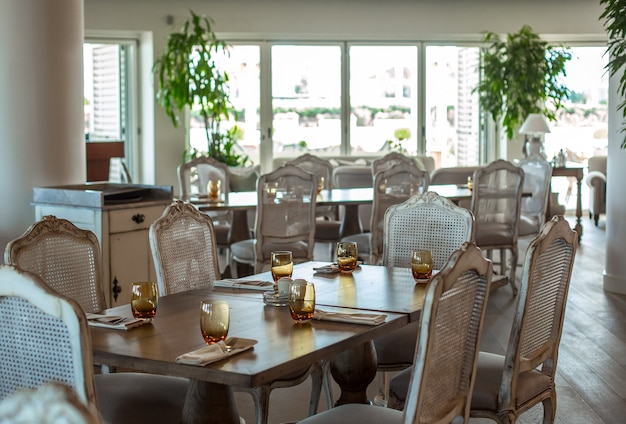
{"points": [[595, 179]]}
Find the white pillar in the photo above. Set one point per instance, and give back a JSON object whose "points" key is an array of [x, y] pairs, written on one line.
{"points": [[41, 104], [615, 270]]}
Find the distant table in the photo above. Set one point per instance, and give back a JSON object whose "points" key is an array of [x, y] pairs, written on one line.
{"points": [[576, 172]]}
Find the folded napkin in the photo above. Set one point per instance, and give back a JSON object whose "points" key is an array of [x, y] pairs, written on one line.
{"points": [[114, 321], [332, 268], [245, 284], [353, 318], [215, 352]]}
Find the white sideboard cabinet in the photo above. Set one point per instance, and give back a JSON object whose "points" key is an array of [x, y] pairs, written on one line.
{"points": [[120, 215]]}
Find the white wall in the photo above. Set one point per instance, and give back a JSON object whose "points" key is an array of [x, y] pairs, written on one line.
{"points": [[336, 19]]}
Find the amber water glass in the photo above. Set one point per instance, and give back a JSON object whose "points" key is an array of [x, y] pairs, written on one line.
{"points": [[282, 264], [422, 264], [347, 254], [143, 299], [214, 320], [214, 188], [301, 301]]}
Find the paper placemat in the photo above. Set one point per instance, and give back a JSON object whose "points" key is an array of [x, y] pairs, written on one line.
{"points": [[216, 352]]}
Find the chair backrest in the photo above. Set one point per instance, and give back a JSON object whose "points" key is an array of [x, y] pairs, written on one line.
{"points": [[321, 168], [44, 337], [315, 165], [427, 221], [538, 321], [118, 171], [184, 249], [65, 257], [496, 198], [452, 175], [537, 175], [193, 176], [447, 348], [285, 218], [392, 186], [244, 178], [389, 160]]}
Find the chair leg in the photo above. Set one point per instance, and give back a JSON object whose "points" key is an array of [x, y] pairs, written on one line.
{"points": [[328, 389], [512, 272]]}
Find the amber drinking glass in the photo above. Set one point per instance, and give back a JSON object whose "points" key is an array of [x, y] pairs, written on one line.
{"points": [[143, 299], [422, 264], [214, 188], [320, 185], [301, 300], [214, 320], [347, 254], [282, 264]]}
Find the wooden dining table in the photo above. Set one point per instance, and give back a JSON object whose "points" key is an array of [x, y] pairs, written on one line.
{"points": [[282, 346], [349, 198]]}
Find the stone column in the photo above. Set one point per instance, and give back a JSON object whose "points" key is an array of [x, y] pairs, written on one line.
{"points": [[41, 104]]}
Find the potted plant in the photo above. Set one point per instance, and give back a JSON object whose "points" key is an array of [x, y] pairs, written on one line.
{"points": [[188, 76], [615, 24], [521, 75]]}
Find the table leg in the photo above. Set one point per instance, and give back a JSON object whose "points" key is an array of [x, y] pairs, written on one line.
{"points": [[354, 370], [240, 228], [579, 210], [350, 223], [209, 403]]}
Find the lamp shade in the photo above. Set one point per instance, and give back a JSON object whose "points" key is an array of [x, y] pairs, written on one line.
{"points": [[535, 123]]}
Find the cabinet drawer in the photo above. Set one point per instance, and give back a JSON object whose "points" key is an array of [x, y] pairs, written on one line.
{"points": [[133, 219]]}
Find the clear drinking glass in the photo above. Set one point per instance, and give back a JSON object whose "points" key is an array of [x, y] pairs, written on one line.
{"points": [[347, 254], [422, 264], [143, 299], [282, 264], [301, 300], [214, 320]]}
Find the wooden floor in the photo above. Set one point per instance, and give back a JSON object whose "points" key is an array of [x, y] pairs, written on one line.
{"points": [[591, 371]]}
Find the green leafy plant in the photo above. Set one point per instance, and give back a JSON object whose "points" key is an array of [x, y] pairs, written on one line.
{"points": [[614, 17], [521, 75], [189, 77]]}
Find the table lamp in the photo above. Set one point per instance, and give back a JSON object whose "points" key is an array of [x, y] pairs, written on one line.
{"points": [[535, 125]]}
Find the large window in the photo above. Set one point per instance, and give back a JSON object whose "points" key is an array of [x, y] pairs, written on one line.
{"points": [[365, 99], [383, 99], [306, 100]]}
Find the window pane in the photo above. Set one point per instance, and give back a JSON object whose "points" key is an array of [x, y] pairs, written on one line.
{"points": [[306, 100], [452, 114], [103, 88], [242, 67], [383, 98]]}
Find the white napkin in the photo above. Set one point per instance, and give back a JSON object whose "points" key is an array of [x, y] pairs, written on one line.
{"points": [[245, 284], [215, 352], [114, 321], [353, 318]]}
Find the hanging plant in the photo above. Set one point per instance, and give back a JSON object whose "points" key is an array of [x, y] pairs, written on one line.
{"points": [[189, 77], [521, 75], [614, 17]]}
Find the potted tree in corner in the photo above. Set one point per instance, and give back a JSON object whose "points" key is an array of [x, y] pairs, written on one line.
{"points": [[521, 75], [188, 77]]}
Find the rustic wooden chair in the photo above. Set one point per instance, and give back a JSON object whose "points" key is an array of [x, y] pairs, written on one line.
{"points": [[496, 205], [510, 384], [64, 256], [392, 185], [425, 221], [184, 249], [450, 327]]}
